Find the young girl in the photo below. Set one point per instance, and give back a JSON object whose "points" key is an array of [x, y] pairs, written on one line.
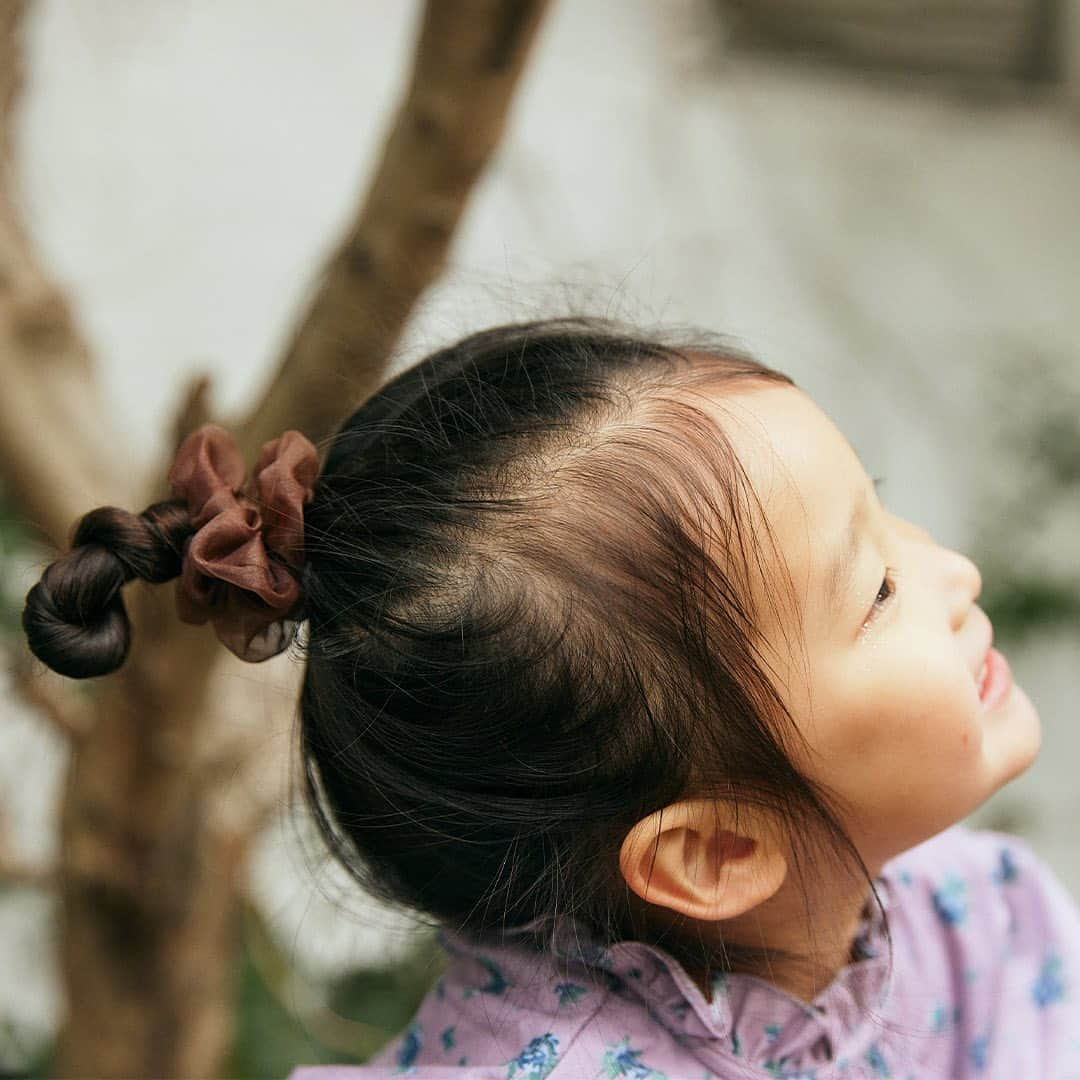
{"points": [[619, 670]]}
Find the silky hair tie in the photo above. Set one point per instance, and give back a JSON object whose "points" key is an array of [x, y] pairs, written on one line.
{"points": [[240, 567]]}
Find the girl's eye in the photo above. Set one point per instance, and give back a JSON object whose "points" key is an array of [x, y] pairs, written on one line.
{"points": [[884, 594]]}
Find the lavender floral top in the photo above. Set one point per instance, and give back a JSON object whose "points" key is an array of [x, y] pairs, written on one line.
{"points": [[985, 983]]}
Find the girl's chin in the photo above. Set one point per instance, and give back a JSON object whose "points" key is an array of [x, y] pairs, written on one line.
{"points": [[1013, 736]]}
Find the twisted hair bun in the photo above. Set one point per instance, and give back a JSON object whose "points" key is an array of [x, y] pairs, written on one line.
{"points": [[74, 618]]}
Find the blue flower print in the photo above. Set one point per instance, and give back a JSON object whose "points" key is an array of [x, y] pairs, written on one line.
{"points": [[1049, 986], [863, 947], [568, 993], [613, 982], [979, 1052], [497, 982], [620, 1060], [536, 1060], [777, 1069], [876, 1060], [939, 1019], [411, 1043], [1007, 870], [448, 1039], [950, 901], [772, 1033]]}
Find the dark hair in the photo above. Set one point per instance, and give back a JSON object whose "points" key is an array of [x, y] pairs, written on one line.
{"points": [[520, 641], [529, 626], [74, 617]]}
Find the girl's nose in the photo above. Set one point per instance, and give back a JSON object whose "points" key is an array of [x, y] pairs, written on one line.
{"points": [[961, 578], [965, 585]]}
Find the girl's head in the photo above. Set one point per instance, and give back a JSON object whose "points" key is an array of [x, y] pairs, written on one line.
{"points": [[617, 629], [590, 621]]}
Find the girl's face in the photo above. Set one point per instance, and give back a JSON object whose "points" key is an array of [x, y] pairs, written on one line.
{"points": [[888, 698]]}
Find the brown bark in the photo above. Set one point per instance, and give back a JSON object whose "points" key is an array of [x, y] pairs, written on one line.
{"points": [[153, 836]]}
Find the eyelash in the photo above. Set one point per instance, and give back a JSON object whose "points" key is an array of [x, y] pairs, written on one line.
{"points": [[890, 577], [879, 603]]}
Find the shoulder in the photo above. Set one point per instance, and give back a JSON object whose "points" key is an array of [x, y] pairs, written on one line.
{"points": [[980, 855], [497, 1012], [988, 937], [386, 1072], [979, 897], [962, 862]]}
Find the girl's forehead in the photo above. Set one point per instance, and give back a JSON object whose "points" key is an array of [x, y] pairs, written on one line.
{"points": [[802, 468], [785, 440], [805, 477]]}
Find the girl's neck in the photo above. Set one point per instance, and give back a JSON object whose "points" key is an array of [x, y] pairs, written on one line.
{"points": [[803, 951]]}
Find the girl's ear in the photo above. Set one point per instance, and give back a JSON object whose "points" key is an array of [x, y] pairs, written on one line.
{"points": [[698, 858]]}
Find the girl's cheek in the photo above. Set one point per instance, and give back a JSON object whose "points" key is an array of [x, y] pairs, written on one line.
{"points": [[969, 741]]}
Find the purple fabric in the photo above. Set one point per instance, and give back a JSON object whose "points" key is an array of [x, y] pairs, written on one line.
{"points": [[985, 983]]}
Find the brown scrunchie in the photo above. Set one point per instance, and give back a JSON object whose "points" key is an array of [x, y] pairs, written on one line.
{"points": [[229, 574]]}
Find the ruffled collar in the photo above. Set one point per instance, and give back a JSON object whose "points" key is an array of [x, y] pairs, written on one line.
{"points": [[748, 1019]]}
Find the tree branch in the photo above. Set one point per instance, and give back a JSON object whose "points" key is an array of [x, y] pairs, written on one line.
{"points": [[469, 57]]}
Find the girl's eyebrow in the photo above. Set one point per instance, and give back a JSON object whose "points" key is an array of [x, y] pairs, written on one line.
{"points": [[838, 577]]}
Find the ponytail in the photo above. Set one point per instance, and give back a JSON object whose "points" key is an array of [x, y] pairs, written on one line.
{"points": [[74, 619]]}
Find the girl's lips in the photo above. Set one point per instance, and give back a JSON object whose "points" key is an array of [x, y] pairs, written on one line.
{"points": [[997, 681]]}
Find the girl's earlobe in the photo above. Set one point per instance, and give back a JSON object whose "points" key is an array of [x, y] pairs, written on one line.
{"points": [[701, 859]]}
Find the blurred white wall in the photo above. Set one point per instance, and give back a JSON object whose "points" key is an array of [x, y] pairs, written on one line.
{"points": [[898, 251]]}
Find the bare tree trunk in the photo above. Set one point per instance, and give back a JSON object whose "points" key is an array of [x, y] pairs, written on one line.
{"points": [[150, 869], [148, 880]]}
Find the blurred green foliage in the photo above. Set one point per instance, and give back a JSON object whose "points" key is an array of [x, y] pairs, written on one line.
{"points": [[33, 1061], [1033, 397], [270, 1041], [358, 1014], [1019, 604], [14, 540]]}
